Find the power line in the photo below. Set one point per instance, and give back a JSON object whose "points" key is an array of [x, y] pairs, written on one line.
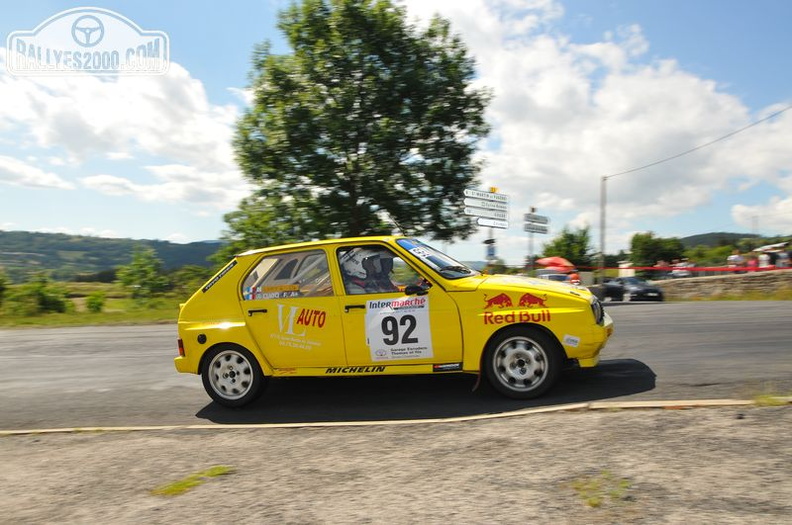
{"points": [[710, 143]]}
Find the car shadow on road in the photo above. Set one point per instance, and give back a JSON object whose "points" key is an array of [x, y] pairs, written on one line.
{"points": [[309, 399]]}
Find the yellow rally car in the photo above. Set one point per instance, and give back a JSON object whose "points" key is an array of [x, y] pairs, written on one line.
{"points": [[377, 306]]}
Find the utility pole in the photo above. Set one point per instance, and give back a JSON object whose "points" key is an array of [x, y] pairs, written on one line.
{"points": [[603, 198]]}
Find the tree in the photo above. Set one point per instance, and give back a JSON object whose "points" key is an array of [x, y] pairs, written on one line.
{"points": [[575, 246], [370, 121], [264, 221], [647, 249], [143, 276], [187, 279]]}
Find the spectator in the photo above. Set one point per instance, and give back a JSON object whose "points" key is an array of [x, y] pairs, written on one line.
{"points": [[680, 268], [764, 260], [661, 266], [735, 260], [753, 263], [782, 261]]}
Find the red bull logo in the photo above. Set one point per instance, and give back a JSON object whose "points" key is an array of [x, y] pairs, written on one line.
{"points": [[543, 316], [530, 300], [501, 301]]}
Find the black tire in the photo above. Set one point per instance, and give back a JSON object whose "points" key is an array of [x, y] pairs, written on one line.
{"points": [[232, 376], [523, 362]]}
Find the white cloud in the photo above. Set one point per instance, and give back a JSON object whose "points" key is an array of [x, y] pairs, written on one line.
{"points": [[774, 216], [19, 173], [244, 95], [565, 114], [166, 117], [178, 183]]}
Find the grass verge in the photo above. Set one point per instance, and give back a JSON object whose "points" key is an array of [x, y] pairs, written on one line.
{"points": [[193, 480]]}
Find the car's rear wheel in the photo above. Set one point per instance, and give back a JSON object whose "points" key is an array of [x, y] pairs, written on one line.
{"points": [[232, 376], [523, 362]]}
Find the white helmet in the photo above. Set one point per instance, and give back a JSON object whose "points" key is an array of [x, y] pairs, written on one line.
{"points": [[366, 262]]}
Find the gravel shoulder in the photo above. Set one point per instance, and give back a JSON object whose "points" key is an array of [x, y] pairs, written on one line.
{"points": [[707, 465]]}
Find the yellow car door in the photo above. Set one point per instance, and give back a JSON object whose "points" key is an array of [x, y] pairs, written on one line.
{"points": [[387, 327], [292, 312]]}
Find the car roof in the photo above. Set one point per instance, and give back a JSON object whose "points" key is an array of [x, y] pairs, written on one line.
{"points": [[324, 242]]}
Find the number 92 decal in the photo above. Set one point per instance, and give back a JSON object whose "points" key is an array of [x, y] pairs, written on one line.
{"points": [[395, 332]]}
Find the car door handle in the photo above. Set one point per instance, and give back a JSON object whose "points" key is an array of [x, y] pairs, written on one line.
{"points": [[259, 311], [349, 307]]}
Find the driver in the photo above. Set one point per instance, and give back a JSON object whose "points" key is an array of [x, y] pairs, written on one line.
{"points": [[366, 270]]}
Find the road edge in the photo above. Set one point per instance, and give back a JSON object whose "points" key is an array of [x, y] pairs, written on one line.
{"points": [[572, 407]]}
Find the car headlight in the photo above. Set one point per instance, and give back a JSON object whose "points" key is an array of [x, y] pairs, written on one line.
{"points": [[597, 310]]}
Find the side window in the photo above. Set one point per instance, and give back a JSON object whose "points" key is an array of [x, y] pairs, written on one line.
{"points": [[300, 274], [374, 269]]}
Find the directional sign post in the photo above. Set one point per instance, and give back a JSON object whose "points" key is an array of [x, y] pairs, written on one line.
{"points": [[534, 224], [535, 228], [536, 219], [490, 209]]}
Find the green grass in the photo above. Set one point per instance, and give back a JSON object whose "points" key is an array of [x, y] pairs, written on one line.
{"points": [[114, 290], [597, 490], [193, 480], [115, 312]]}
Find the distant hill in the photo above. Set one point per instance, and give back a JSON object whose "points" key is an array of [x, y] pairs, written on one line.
{"points": [[715, 239], [66, 256]]}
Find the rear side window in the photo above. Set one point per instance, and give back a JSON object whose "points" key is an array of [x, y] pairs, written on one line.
{"points": [[282, 276]]}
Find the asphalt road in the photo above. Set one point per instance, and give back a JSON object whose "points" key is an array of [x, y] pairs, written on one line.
{"points": [[124, 376]]}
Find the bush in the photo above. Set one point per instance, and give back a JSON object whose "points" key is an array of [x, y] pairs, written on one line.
{"points": [[38, 296], [95, 302]]}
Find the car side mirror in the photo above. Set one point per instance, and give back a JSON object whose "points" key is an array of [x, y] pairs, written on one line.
{"points": [[415, 289]]}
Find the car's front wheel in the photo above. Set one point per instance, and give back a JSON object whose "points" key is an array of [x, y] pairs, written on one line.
{"points": [[522, 362], [232, 376]]}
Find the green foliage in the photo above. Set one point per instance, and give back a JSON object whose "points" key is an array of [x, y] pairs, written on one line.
{"points": [[143, 276], [3, 285], [574, 246], [369, 120], [647, 249], [187, 279], [38, 296], [95, 302], [264, 221], [709, 256]]}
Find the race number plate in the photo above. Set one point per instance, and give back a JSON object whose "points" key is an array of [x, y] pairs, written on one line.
{"points": [[399, 328]]}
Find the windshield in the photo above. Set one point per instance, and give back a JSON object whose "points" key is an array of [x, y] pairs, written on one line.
{"points": [[436, 260], [633, 280]]}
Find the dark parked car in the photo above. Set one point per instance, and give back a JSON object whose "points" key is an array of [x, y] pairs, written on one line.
{"points": [[636, 289], [613, 290]]}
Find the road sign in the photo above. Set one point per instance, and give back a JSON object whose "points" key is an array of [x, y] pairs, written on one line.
{"points": [[487, 196], [490, 214], [489, 205], [536, 219], [535, 228], [492, 223]]}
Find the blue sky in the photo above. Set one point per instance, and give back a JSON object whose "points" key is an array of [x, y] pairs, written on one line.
{"points": [[582, 89]]}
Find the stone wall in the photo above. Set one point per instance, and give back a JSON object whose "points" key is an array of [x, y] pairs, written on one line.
{"points": [[767, 282]]}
